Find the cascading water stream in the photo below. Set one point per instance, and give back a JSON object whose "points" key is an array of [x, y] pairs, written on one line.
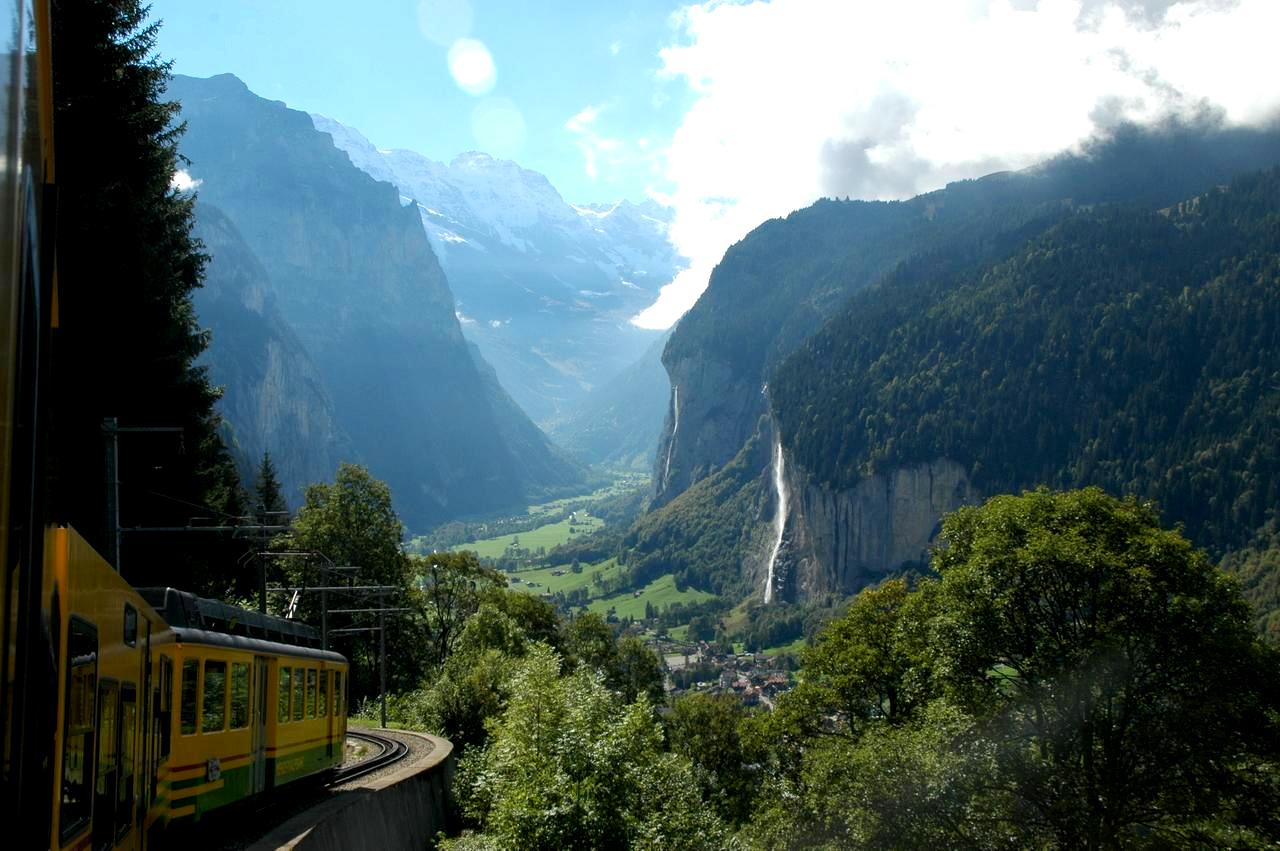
{"points": [[675, 427], [780, 519]]}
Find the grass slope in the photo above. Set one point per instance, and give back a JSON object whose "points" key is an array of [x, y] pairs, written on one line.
{"points": [[661, 592]]}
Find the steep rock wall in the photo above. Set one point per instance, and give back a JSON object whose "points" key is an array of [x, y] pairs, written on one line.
{"points": [[718, 412], [274, 398], [840, 541]]}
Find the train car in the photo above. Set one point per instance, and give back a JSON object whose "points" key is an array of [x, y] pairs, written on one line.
{"points": [[171, 707], [107, 742], [258, 705]]}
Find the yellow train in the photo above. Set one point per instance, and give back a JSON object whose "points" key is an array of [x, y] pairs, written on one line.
{"points": [[170, 706]]}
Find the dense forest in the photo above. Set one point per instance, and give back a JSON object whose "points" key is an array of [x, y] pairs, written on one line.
{"points": [[1128, 348]]}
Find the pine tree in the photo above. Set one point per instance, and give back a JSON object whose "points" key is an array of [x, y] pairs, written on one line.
{"points": [[129, 337], [270, 498]]}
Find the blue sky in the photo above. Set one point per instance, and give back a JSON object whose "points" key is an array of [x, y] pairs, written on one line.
{"points": [[382, 67], [737, 111]]}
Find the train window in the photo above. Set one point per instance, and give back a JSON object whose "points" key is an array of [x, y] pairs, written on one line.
{"points": [[311, 692], [299, 683], [125, 794], [322, 706], [77, 736], [337, 693], [239, 695], [215, 696], [284, 694], [190, 678], [130, 625]]}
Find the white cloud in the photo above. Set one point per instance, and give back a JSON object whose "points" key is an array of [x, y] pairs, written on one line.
{"points": [[615, 48], [182, 181], [799, 99], [471, 66], [597, 147]]}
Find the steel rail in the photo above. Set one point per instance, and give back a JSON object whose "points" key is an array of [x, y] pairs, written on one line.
{"points": [[393, 750]]}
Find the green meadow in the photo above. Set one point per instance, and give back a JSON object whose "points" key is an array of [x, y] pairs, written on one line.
{"points": [[661, 592], [566, 581], [548, 536]]}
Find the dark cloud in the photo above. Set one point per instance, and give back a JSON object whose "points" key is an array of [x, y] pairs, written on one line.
{"points": [[847, 169], [848, 172]]}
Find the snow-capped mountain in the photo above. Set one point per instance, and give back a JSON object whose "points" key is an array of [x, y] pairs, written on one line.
{"points": [[544, 287]]}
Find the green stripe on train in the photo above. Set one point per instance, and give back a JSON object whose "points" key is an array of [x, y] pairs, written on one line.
{"points": [[237, 782]]}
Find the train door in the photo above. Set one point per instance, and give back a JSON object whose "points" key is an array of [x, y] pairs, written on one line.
{"points": [[126, 786], [147, 743], [104, 791], [324, 709], [260, 707]]}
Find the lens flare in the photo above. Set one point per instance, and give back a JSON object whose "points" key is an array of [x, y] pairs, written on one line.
{"points": [[471, 66]]}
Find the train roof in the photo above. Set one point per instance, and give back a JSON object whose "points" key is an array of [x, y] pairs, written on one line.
{"points": [[184, 610], [208, 638]]}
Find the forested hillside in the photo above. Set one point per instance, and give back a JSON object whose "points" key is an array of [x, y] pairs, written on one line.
{"points": [[1134, 349], [1015, 336]]}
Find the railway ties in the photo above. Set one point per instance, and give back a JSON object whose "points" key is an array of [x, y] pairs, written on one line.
{"points": [[392, 751]]}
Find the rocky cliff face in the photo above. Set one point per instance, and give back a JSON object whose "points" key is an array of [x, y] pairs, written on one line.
{"points": [[355, 276], [712, 412], [274, 398], [839, 541]]}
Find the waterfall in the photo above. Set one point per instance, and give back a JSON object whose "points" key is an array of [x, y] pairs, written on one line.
{"points": [[780, 519], [675, 427]]}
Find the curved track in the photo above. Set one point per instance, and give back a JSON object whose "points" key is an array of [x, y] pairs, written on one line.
{"points": [[392, 751]]}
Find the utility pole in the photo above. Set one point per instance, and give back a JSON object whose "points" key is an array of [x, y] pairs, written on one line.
{"points": [[110, 431], [382, 659]]}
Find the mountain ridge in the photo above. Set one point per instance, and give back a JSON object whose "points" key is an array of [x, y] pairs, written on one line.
{"points": [[545, 288], [355, 276]]}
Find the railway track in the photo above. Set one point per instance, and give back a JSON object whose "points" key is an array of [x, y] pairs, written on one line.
{"points": [[391, 751]]}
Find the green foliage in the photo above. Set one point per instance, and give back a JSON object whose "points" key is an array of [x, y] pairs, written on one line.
{"points": [[128, 338], [1074, 622], [637, 671], [1257, 567], [352, 522], [270, 498], [871, 665], [569, 766], [703, 534], [705, 730], [452, 585], [1078, 678]]}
